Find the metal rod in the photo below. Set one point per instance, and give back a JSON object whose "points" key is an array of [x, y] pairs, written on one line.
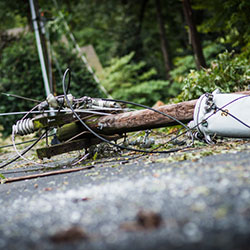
{"points": [[39, 48], [56, 111]]}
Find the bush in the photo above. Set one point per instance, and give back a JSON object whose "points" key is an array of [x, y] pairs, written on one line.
{"points": [[184, 64], [228, 73]]}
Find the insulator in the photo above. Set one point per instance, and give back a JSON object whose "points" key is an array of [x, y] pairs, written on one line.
{"points": [[52, 101], [23, 127], [102, 103]]}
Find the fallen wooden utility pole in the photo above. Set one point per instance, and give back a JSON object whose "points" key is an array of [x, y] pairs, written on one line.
{"points": [[145, 119], [113, 125]]}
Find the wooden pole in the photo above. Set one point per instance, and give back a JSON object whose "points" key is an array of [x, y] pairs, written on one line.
{"points": [[142, 119]]}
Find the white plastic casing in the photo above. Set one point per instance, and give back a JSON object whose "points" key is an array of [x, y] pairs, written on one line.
{"points": [[232, 121]]}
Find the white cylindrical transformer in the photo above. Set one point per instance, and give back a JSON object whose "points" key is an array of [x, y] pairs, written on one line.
{"points": [[226, 115]]}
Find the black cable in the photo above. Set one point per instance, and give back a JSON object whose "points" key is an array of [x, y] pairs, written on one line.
{"points": [[24, 152], [19, 143], [146, 107], [67, 90], [104, 139], [68, 86], [24, 142], [157, 111]]}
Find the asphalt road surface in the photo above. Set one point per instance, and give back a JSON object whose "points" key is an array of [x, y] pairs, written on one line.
{"points": [[148, 203]]}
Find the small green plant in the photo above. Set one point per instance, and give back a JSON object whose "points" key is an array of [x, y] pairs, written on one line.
{"points": [[229, 73], [2, 176]]}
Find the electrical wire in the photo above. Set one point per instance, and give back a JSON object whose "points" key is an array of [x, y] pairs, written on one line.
{"points": [[21, 97], [19, 154], [81, 159], [24, 152], [19, 143], [146, 107], [67, 71], [88, 111]]}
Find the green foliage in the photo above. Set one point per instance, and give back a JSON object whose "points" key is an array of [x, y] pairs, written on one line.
{"points": [[228, 72], [147, 93], [20, 74], [11, 13], [230, 18], [127, 80], [2, 177], [183, 64]]}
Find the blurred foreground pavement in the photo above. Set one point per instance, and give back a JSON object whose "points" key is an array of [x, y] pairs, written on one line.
{"points": [[201, 204]]}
